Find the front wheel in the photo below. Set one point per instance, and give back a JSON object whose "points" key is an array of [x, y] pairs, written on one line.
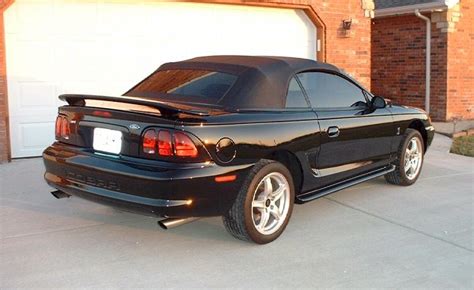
{"points": [[264, 204], [409, 160]]}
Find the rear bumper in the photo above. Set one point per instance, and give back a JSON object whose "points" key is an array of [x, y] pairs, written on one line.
{"points": [[144, 186]]}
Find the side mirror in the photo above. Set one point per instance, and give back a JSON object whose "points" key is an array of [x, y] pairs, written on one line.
{"points": [[378, 102]]}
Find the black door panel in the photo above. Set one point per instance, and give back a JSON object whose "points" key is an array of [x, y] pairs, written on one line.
{"points": [[363, 143], [354, 136]]}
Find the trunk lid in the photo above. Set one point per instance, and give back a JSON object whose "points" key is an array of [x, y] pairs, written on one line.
{"points": [[130, 116]]}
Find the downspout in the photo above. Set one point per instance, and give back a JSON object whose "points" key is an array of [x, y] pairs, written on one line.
{"points": [[428, 59]]}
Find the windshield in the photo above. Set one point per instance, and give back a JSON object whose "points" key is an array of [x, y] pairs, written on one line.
{"points": [[186, 85]]}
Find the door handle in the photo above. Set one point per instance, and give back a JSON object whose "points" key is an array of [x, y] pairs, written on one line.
{"points": [[333, 132]]}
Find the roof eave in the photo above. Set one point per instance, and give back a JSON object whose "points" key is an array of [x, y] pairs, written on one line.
{"points": [[409, 9]]}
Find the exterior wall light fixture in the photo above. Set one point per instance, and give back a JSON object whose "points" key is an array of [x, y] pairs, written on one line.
{"points": [[346, 24]]}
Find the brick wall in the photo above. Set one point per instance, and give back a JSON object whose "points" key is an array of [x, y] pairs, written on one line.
{"points": [[398, 62], [349, 50], [398, 59], [461, 64]]}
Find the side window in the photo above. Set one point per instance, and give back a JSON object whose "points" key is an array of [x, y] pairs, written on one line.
{"points": [[295, 97], [331, 91]]}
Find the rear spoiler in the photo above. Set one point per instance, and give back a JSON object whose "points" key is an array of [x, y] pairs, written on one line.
{"points": [[165, 108]]}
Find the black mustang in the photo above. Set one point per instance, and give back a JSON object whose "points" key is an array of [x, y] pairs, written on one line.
{"points": [[241, 137]]}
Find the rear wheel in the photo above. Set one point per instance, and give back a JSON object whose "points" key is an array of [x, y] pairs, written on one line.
{"points": [[409, 160], [263, 206]]}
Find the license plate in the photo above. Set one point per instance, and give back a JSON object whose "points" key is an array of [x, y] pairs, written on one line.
{"points": [[106, 140]]}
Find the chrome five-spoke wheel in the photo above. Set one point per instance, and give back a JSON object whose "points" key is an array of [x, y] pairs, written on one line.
{"points": [[270, 203], [413, 158], [409, 159], [264, 204]]}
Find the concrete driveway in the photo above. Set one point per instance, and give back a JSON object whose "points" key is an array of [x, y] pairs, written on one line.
{"points": [[371, 235]]}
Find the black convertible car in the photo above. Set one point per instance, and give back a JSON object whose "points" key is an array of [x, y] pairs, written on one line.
{"points": [[240, 137]]}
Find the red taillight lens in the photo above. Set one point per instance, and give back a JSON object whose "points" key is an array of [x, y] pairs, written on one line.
{"points": [[58, 126], [65, 130], [169, 144], [62, 128], [184, 146], [165, 147], [149, 142]]}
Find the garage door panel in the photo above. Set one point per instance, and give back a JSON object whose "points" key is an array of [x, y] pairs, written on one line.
{"points": [[31, 134], [84, 20], [119, 63], [30, 138], [35, 18], [29, 60], [76, 87], [105, 47], [31, 98], [77, 60], [119, 18], [36, 95]]}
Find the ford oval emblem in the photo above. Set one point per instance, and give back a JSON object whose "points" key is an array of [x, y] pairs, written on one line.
{"points": [[134, 126]]}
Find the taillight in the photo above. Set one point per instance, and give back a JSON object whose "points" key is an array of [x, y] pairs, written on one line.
{"points": [[149, 142], [184, 145], [62, 128], [65, 130], [165, 147], [169, 144], [58, 126]]}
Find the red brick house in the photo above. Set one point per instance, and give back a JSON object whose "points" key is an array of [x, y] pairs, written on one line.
{"points": [[399, 48], [52, 47]]}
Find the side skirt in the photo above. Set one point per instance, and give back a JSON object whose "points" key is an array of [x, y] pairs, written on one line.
{"points": [[312, 195]]}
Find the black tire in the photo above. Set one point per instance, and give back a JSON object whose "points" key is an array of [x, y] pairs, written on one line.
{"points": [[238, 220], [399, 176]]}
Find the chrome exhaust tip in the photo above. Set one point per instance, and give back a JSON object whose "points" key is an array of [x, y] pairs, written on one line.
{"points": [[170, 223], [59, 194]]}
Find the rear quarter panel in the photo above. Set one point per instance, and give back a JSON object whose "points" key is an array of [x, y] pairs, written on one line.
{"points": [[258, 135]]}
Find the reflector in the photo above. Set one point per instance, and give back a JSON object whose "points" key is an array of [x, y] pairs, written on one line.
{"points": [[226, 178]]}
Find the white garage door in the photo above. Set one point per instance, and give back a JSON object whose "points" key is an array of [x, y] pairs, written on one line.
{"points": [[101, 47]]}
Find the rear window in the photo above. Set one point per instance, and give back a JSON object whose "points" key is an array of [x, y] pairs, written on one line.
{"points": [[202, 86]]}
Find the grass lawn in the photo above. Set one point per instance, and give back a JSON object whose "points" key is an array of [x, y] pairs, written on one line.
{"points": [[463, 145]]}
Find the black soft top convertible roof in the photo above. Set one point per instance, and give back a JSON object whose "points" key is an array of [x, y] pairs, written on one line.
{"points": [[262, 80]]}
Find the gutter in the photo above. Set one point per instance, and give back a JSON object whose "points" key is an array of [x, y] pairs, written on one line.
{"points": [[427, 60], [438, 5]]}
